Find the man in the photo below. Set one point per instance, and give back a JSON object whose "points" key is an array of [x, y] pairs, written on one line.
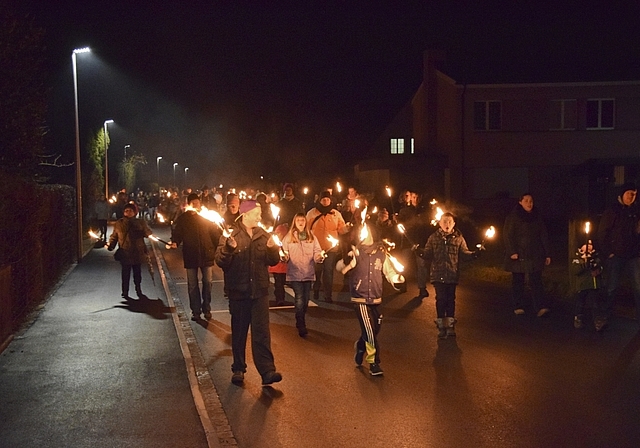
{"points": [[199, 238], [619, 246], [244, 257], [324, 221], [289, 205], [233, 207]]}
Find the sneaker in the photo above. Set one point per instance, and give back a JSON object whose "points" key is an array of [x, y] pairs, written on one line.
{"points": [[543, 312], [577, 322], [207, 315], [422, 294], [302, 332], [359, 354], [518, 311], [237, 377], [375, 370], [270, 378]]}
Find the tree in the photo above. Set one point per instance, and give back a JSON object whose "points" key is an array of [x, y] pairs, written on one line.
{"points": [[128, 170], [97, 145], [22, 94]]}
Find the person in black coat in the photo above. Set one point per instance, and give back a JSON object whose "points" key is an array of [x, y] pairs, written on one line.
{"points": [[244, 256], [199, 238], [527, 252]]}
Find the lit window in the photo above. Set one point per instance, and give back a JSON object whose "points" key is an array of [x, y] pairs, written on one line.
{"points": [[412, 146], [600, 113], [563, 115], [487, 116], [397, 146]]}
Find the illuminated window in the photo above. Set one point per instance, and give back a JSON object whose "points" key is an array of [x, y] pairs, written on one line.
{"points": [[563, 115], [397, 146], [600, 113], [412, 146], [487, 115]]}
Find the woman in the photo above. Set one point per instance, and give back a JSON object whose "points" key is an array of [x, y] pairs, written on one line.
{"points": [[526, 253], [129, 233], [302, 250]]}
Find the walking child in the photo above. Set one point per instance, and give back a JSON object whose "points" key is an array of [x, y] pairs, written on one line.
{"points": [[587, 268]]}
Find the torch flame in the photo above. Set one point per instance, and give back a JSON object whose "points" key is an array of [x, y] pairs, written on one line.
{"points": [[433, 201], [388, 191], [388, 243], [275, 211], [490, 233], [364, 232], [93, 234], [160, 217], [306, 190], [436, 220], [374, 211], [587, 227], [396, 264], [267, 229], [276, 240], [153, 237], [401, 228], [338, 187]]}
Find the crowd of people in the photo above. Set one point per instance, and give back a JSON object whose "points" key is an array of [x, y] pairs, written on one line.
{"points": [[303, 244]]}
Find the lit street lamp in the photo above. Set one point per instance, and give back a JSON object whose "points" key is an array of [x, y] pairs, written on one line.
{"points": [[125, 151], [78, 168], [174, 173], [106, 161], [185, 177], [158, 170]]}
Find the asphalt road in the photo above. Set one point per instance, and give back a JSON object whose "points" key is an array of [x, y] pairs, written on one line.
{"points": [[506, 380]]}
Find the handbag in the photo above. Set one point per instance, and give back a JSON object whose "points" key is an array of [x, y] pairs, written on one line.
{"points": [[119, 254]]}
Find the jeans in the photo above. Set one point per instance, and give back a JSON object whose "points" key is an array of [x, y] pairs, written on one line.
{"points": [[198, 306], [126, 278], [445, 299], [613, 268], [302, 291], [247, 312], [535, 282], [324, 274], [279, 279]]}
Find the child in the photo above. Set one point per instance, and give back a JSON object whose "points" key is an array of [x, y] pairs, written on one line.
{"points": [[444, 248], [367, 261], [587, 268]]}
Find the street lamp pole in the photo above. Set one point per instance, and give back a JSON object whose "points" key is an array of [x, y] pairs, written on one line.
{"points": [[185, 177], [158, 170], [78, 168], [106, 161], [174, 173]]}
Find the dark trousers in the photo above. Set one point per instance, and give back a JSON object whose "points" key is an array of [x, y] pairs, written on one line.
{"points": [[535, 283], [445, 299], [279, 280], [324, 274], [584, 296], [126, 277], [370, 320], [247, 312], [102, 228], [614, 268]]}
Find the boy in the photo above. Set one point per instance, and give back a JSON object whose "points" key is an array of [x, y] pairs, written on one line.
{"points": [[443, 249], [587, 268]]}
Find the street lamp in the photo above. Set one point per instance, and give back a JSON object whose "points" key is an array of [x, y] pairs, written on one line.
{"points": [[106, 161], [125, 151], [185, 177], [158, 170], [174, 173], [78, 168]]}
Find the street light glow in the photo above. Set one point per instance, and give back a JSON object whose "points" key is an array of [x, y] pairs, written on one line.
{"points": [[82, 50]]}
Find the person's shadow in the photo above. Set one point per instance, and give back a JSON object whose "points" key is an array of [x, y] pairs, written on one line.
{"points": [[153, 307]]}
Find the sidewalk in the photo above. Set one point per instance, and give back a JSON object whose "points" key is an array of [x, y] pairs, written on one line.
{"points": [[95, 370]]}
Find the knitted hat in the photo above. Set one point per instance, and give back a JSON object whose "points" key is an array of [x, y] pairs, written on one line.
{"points": [[247, 206], [287, 185], [627, 186], [132, 206], [325, 194], [192, 197]]}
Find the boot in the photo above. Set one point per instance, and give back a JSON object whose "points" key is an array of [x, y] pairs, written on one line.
{"points": [[450, 323], [442, 330], [139, 292], [301, 326], [422, 294]]}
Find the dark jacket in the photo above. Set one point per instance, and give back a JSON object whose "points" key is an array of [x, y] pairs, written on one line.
{"points": [[444, 251], [617, 231], [245, 266], [129, 234], [199, 238], [526, 235], [588, 271]]}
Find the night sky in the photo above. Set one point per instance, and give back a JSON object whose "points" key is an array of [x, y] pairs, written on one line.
{"points": [[234, 90]]}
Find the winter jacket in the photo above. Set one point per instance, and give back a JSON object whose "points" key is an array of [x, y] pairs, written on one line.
{"points": [[366, 265], [526, 235], [199, 238], [588, 271], [323, 225], [302, 256], [617, 231], [245, 266], [129, 235], [444, 251]]}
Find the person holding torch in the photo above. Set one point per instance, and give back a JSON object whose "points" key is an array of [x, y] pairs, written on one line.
{"points": [[244, 256]]}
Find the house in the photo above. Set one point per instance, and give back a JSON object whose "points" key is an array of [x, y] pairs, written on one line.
{"points": [[569, 144]]}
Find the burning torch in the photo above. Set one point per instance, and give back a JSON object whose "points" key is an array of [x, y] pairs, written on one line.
{"points": [[489, 234]]}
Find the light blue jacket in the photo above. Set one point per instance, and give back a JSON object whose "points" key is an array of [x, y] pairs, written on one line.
{"points": [[302, 256]]}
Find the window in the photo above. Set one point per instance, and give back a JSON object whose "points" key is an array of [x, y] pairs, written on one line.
{"points": [[600, 113], [412, 146], [563, 115], [397, 146], [487, 115]]}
